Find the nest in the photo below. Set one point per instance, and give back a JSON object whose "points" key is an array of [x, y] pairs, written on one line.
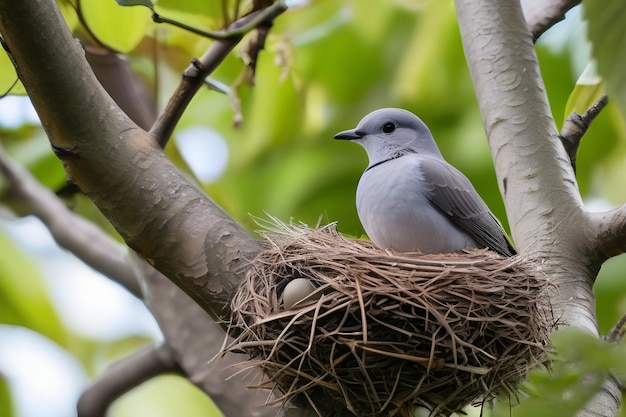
{"points": [[383, 332]]}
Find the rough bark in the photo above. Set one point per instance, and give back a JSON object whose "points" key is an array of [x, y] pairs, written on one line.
{"points": [[535, 176]]}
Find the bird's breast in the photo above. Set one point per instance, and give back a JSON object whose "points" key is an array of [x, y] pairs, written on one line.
{"points": [[395, 211]]}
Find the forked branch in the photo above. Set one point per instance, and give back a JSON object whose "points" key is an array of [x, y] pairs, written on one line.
{"points": [[236, 30]]}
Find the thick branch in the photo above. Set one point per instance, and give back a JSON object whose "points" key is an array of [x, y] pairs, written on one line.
{"points": [[124, 376], [610, 232], [159, 213]]}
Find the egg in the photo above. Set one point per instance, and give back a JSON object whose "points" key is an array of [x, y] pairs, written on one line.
{"points": [[296, 290]]}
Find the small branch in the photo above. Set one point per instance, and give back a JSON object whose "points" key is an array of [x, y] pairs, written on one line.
{"points": [[194, 75], [254, 49], [193, 79], [236, 30], [69, 230], [6, 93], [576, 125], [541, 15], [17, 80], [124, 376], [616, 335]]}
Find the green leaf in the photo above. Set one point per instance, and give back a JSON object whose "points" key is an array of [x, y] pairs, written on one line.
{"points": [[200, 14], [146, 3], [8, 76], [165, 396], [586, 353], [587, 91], [69, 13], [6, 406], [118, 27], [23, 297], [607, 31], [578, 366]]}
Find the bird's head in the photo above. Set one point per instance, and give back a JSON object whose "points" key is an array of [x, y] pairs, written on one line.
{"points": [[386, 133]]}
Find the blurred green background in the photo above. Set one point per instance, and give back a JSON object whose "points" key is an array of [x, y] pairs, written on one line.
{"points": [[325, 65]]}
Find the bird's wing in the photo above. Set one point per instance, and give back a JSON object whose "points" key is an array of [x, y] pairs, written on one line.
{"points": [[452, 193]]}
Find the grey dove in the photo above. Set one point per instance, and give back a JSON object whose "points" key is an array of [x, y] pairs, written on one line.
{"points": [[410, 199]]}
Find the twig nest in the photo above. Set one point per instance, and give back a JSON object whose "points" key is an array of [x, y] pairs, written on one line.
{"points": [[378, 333]]}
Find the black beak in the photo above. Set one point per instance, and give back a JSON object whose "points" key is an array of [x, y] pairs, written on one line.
{"points": [[349, 134]]}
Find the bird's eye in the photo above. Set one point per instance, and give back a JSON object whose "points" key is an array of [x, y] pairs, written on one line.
{"points": [[389, 127]]}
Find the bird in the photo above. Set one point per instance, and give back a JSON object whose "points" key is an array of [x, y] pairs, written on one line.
{"points": [[409, 198]]}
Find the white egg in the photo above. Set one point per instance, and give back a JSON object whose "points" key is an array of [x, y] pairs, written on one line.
{"points": [[296, 290]]}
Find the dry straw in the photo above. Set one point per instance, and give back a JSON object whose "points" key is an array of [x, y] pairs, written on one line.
{"points": [[384, 332]]}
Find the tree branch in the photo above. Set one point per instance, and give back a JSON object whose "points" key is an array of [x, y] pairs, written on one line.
{"points": [[534, 172], [194, 340], [70, 231], [616, 335], [576, 125], [195, 74], [532, 167], [238, 29], [610, 233], [541, 15], [157, 211], [124, 376], [128, 89]]}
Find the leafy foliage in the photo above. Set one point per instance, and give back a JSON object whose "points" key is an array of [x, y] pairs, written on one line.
{"points": [[580, 363], [130, 25]]}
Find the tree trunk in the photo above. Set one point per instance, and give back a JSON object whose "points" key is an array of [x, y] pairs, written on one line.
{"points": [[535, 176]]}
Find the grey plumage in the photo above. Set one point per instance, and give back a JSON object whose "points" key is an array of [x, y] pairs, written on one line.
{"points": [[409, 198]]}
